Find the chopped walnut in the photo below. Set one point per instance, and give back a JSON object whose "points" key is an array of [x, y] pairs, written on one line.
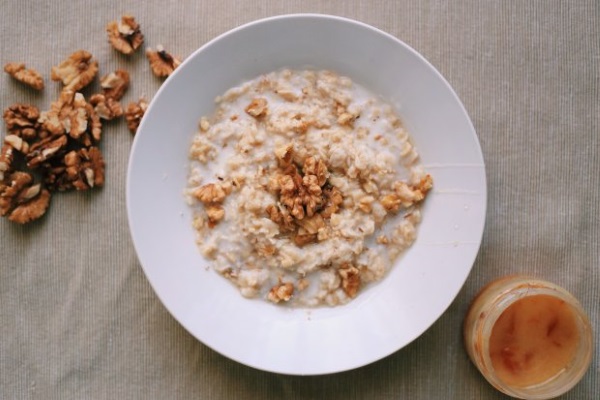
{"points": [[316, 166], [215, 213], [81, 170], [284, 155], [334, 201], [257, 108], [115, 84], [281, 292], [105, 107], [17, 181], [162, 63], [22, 120], [125, 36], [134, 114], [30, 77], [7, 156], [405, 195], [77, 71], [22, 201], [72, 115], [17, 143], [32, 209], [210, 193], [350, 279], [281, 217], [45, 150]]}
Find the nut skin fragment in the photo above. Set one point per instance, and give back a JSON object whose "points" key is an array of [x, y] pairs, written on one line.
{"points": [[115, 84], [29, 77], [77, 71], [350, 279], [162, 63], [32, 209], [134, 114], [257, 107], [125, 36], [22, 120], [281, 292]]}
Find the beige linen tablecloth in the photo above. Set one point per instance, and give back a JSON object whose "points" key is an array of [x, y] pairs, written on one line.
{"points": [[79, 319]]}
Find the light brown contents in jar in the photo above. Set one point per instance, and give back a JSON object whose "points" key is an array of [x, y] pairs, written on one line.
{"points": [[533, 340]]}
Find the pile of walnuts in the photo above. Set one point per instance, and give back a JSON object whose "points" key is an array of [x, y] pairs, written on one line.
{"points": [[58, 149]]}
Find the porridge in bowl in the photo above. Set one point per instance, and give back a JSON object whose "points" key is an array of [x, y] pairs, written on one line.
{"points": [[305, 187]]}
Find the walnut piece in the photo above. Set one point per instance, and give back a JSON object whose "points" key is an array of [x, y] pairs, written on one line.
{"points": [[77, 71], [32, 209], [72, 115], [210, 193], [22, 201], [350, 279], [22, 120], [215, 213], [162, 63], [281, 292], [134, 114], [45, 150], [29, 77], [125, 36], [7, 156], [405, 195], [80, 169], [115, 84], [105, 107], [257, 107]]}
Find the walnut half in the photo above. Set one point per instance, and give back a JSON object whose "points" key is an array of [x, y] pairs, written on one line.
{"points": [[134, 114], [162, 63], [125, 36], [22, 201], [29, 77], [77, 71]]}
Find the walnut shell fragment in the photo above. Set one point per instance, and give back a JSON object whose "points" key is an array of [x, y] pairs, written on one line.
{"points": [[134, 114], [77, 71], [125, 36], [22, 120], [162, 63], [115, 84], [29, 77]]}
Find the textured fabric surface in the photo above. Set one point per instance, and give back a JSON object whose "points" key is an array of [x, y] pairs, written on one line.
{"points": [[80, 321]]}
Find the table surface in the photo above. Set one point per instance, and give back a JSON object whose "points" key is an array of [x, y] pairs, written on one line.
{"points": [[79, 319]]}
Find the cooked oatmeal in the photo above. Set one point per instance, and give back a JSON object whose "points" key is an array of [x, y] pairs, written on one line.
{"points": [[305, 188]]}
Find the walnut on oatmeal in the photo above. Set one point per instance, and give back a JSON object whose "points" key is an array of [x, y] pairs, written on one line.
{"points": [[125, 36], [29, 77], [162, 63], [257, 107], [350, 279], [281, 292], [77, 71]]}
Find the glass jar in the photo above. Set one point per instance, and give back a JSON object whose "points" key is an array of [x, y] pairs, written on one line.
{"points": [[487, 337]]}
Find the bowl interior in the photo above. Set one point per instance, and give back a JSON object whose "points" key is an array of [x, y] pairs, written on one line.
{"points": [[386, 316]]}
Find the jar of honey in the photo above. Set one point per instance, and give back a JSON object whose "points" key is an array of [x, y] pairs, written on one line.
{"points": [[530, 338]]}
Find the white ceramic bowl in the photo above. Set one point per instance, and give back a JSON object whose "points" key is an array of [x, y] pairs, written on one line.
{"points": [[386, 316]]}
